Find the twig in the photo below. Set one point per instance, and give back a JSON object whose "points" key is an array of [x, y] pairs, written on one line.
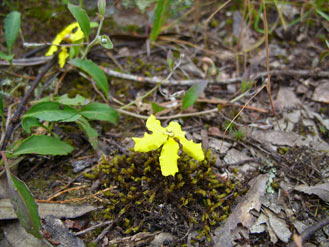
{"points": [[93, 228], [27, 61], [268, 86], [23, 102], [65, 191], [156, 80], [238, 114], [77, 199], [310, 231], [168, 117], [101, 236]]}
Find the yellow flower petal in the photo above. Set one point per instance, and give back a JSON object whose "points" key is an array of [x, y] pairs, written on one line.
{"points": [[149, 142], [66, 33], [153, 141], [62, 57], [192, 149], [154, 125], [77, 35], [168, 157], [189, 147], [54, 47], [175, 129]]}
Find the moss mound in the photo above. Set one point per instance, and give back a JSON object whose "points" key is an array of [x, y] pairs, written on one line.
{"points": [[144, 200]]}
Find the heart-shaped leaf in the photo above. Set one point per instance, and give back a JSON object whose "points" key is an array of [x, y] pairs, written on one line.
{"points": [[12, 25], [81, 16], [44, 145], [95, 72], [52, 111], [99, 111]]}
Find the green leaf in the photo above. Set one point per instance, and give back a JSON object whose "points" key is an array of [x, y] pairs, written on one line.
{"points": [[161, 15], [52, 111], [29, 122], [93, 24], [170, 60], [81, 16], [25, 207], [323, 14], [89, 131], [66, 100], [7, 57], [192, 94], [258, 17], [44, 145], [2, 114], [156, 108], [101, 6], [77, 100], [323, 55], [95, 72], [99, 111], [1, 106], [12, 25], [105, 41]]}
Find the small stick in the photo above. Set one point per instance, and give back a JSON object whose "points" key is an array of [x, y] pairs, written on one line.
{"points": [[110, 222], [23, 102], [309, 232], [156, 80]]}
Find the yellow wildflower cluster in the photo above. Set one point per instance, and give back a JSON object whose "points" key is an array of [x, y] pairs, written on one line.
{"points": [[167, 137], [71, 34]]}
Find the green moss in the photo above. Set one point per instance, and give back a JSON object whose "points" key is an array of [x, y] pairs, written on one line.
{"points": [[144, 200]]}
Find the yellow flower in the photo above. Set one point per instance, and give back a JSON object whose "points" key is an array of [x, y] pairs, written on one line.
{"points": [[72, 33], [167, 137]]}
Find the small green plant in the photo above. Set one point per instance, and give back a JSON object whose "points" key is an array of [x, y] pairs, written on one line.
{"points": [[46, 112], [12, 25], [62, 108], [238, 134]]}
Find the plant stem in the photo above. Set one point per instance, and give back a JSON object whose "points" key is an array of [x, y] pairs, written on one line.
{"points": [[92, 43], [142, 97]]}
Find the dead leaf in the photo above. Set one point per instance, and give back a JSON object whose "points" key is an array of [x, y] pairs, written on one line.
{"points": [[225, 235], [286, 99], [321, 92], [59, 210], [278, 226], [16, 236], [321, 190], [59, 233]]}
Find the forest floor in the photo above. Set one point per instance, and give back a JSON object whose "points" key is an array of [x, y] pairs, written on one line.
{"points": [[267, 149]]}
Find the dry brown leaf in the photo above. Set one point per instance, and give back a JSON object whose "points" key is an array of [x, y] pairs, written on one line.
{"points": [[226, 234]]}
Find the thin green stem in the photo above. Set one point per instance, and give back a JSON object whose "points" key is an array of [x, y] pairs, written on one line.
{"points": [[92, 43], [142, 97]]}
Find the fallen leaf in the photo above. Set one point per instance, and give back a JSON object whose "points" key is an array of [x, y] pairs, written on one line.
{"points": [[286, 99], [278, 226], [226, 234], [58, 210], [321, 92], [59, 233], [16, 236], [321, 190]]}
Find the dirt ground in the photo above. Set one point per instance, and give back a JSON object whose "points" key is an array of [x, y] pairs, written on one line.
{"points": [[267, 142]]}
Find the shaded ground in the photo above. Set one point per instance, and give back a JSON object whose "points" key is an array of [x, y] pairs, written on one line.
{"points": [[280, 167]]}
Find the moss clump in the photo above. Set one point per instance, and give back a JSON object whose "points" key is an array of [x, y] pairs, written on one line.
{"points": [[144, 200]]}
